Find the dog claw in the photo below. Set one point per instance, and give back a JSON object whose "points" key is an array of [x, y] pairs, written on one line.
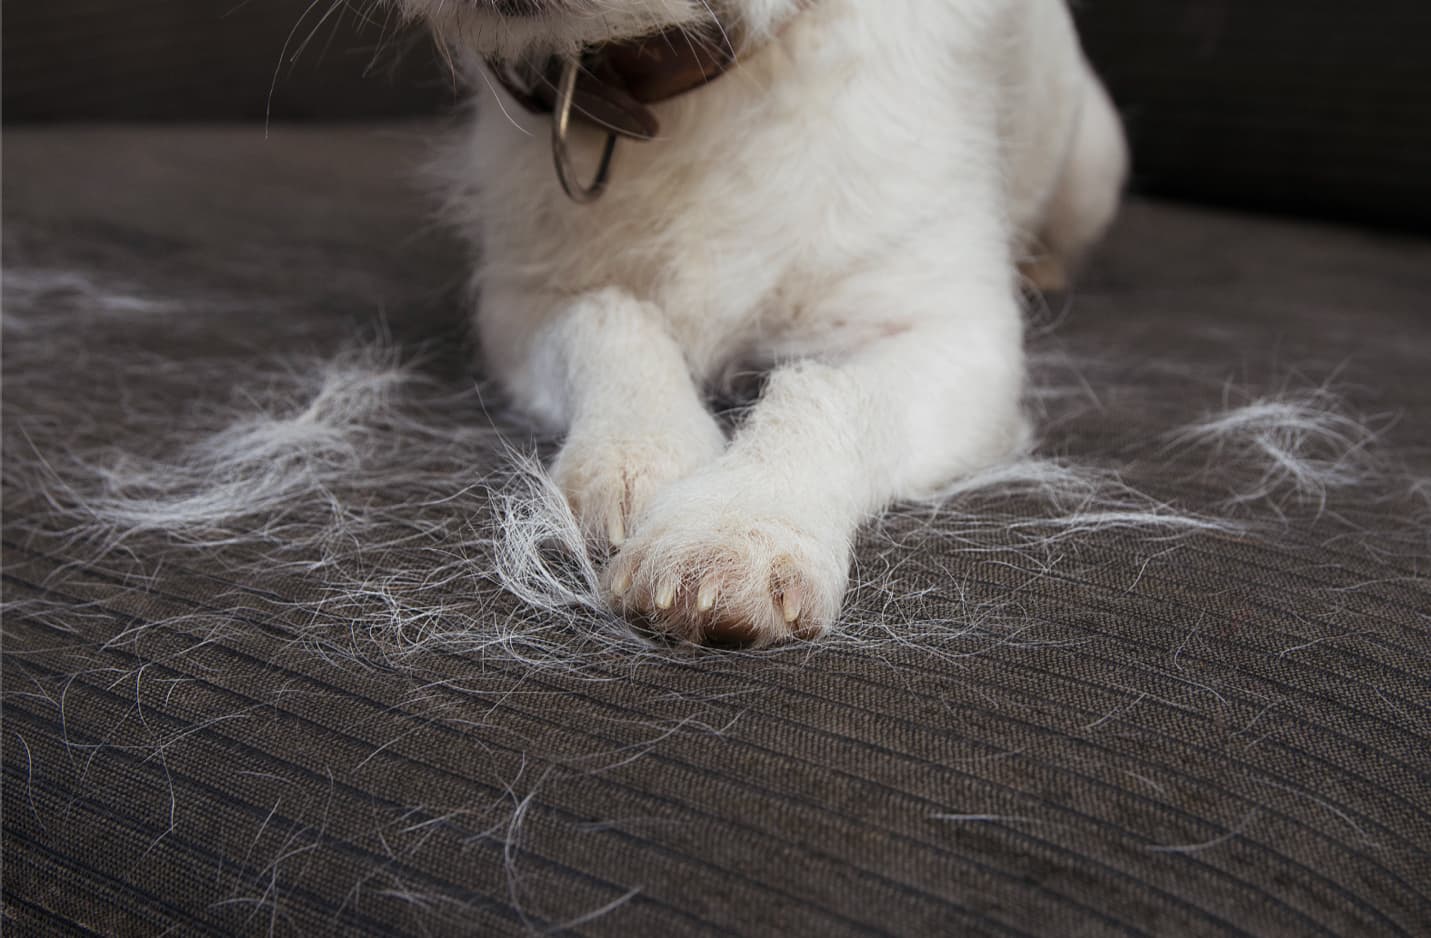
{"points": [[706, 598], [790, 604], [615, 529], [621, 583], [666, 595]]}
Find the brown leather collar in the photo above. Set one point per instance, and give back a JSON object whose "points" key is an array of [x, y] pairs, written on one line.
{"points": [[619, 80]]}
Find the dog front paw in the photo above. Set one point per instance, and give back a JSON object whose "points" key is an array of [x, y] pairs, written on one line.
{"points": [[704, 570], [608, 480]]}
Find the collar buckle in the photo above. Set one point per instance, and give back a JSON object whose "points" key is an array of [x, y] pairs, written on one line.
{"points": [[561, 154]]}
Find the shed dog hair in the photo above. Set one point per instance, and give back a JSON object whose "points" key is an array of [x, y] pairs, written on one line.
{"points": [[848, 208]]}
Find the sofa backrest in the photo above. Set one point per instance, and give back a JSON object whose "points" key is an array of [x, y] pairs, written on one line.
{"points": [[1318, 107], [213, 60]]}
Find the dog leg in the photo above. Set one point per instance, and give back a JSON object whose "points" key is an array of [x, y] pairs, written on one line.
{"points": [[1088, 192], [604, 367], [755, 547]]}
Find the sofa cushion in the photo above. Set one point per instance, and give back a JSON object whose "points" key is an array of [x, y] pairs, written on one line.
{"points": [[1168, 678]]}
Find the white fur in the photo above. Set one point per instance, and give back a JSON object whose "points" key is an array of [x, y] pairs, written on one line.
{"points": [[848, 208]]}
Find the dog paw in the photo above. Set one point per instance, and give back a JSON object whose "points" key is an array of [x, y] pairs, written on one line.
{"points": [[1046, 274], [608, 480], [703, 570]]}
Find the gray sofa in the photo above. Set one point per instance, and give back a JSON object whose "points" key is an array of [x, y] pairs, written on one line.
{"points": [[1169, 678]]}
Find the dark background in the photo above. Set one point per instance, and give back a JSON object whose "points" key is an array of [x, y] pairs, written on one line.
{"points": [[1312, 107]]}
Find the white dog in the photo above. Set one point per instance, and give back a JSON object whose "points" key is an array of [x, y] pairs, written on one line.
{"points": [[843, 196]]}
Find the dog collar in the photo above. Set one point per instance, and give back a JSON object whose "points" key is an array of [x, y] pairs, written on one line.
{"points": [[616, 82], [611, 87]]}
